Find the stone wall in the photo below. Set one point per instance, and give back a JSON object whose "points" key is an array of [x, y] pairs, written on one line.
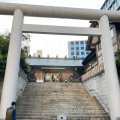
{"points": [[22, 80], [97, 87]]}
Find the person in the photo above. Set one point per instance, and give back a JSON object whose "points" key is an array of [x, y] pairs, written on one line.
{"points": [[11, 112], [53, 79]]}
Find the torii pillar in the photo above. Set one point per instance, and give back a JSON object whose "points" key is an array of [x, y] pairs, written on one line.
{"points": [[12, 66], [110, 69]]}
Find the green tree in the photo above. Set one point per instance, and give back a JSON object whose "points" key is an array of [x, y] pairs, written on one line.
{"points": [[23, 63], [117, 56], [4, 44], [3, 54], [25, 36]]}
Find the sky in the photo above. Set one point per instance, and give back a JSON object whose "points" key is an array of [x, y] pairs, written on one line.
{"points": [[51, 44]]}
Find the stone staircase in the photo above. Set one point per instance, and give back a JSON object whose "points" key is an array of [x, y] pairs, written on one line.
{"points": [[45, 101]]}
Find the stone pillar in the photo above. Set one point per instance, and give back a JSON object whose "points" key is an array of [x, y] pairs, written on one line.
{"points": [[12, 66], [110, 69]]}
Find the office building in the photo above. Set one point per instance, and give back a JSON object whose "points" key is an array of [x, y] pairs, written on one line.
{"points": [[77, 49], [111, 5]]}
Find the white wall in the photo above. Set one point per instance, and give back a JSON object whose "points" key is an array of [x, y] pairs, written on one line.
{"points": [[22, 80], [97, 87]]}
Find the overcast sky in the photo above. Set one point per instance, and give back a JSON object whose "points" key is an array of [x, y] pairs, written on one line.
{"points": [[51, 44]]}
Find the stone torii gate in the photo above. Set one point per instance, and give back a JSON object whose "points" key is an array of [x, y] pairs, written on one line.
{"points": [[102, 16]]}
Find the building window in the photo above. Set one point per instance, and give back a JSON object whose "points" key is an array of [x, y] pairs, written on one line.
{"points": [[112, 7], [77, 53], [87, 53], [82, 48], [81, 45], [107, 3], [78, 56], [118, 8], [103, 7], [111, 33], [72, 43], [118, 2], [72, 48], [81, 42], [77, 48], [82, 53], [110, 1], [115, 5], [82, 56], [72, 53], [77, 42]]}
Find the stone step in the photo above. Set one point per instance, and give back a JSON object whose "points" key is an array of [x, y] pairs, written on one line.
{"points": [[58, 94], [51, 83], [75, 109], [56, 90], [68, 116], [69, 108], [58, 112], [50, 98], [71, 98], [68, 119], [59, 103], [47, 93], [48, 89], [58, 106], [59, 99], [44, 101], [55, 109]]}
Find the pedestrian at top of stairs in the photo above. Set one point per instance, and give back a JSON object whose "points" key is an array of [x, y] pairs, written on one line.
{"points": [[53, 78], [11, 112]]}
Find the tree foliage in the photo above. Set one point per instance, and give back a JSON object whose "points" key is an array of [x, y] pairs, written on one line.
{"points": [[25, 36], [4, 44], [117, 56], [3, 54], [23, 63]]}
